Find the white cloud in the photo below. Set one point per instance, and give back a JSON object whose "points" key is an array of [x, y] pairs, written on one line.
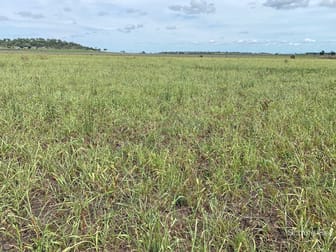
{"points": [[247, 41], [294, 43], [309, 40]]}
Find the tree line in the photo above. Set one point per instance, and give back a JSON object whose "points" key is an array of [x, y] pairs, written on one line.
{"points": [[40, 43]]}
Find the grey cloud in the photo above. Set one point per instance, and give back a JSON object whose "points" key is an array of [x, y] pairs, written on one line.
{"points": [[130, 11], [136, 12], [286, 4], [195, 7], [67, 9], [171, 27], [328, 3], [3, 18], [130, 28], [28, 14], [102, 13], [253, 4]]}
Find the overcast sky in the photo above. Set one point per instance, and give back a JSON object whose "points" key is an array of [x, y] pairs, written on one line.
{"points": [[155, 25]]}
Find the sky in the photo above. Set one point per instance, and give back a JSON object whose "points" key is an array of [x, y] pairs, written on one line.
{"points": [[273, 26]]}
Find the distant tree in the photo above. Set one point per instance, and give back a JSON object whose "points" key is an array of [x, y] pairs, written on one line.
{"points": [[29, 43], [292, 56], [322, 52], [332, 53]]}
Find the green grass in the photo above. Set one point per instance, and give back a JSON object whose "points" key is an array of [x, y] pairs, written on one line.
{"points": [[102, 153]]}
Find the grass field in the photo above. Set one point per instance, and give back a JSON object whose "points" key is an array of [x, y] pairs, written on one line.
{"points": [[132, 153]]}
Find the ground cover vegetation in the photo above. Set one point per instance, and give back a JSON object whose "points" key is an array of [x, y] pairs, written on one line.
{"points": [[139, 153]]}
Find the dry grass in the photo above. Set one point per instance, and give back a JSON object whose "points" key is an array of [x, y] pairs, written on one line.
{"points": [[163, 153]]}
